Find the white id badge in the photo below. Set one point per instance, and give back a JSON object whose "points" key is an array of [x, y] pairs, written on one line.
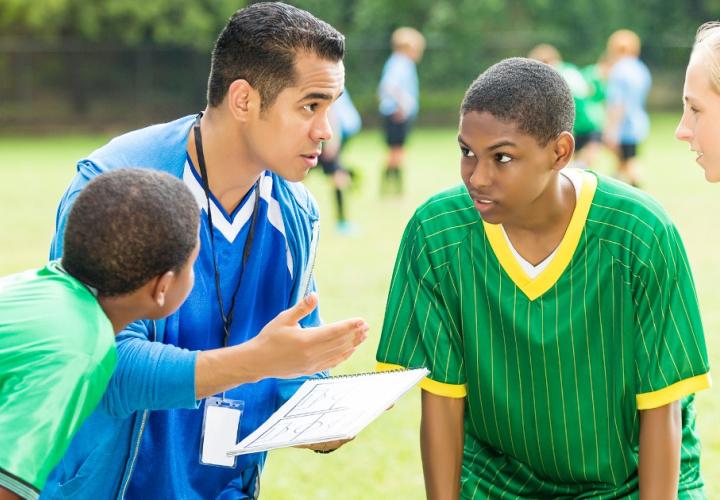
{"points": [[221, 424]]}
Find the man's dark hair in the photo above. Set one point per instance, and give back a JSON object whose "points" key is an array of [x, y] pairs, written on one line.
{"points": [[128, 226], [259, 44], [528, 93]]}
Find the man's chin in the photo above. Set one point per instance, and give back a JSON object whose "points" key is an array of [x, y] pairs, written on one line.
{"points": [[295, 176]]}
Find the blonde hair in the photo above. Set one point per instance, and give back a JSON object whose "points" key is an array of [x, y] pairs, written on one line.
{"points": [[707, 43], [407, 37], [624, 43], [545, 53]]}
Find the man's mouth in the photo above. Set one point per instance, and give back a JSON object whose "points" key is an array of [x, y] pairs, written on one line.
{"points": [[311, 159]]}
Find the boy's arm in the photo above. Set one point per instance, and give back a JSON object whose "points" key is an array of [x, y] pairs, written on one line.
{"points": [[441, 442], [659, 460]]}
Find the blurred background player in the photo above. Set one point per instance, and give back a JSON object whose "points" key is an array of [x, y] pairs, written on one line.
{"points": [[590, 114], [398, 92], [628, 85], [345, 122], [588, 118]]}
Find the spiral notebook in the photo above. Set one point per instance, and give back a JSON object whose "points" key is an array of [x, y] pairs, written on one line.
{"points": [[331, 408]]}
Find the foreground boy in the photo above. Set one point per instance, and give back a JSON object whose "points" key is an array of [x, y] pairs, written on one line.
{"points": [[561, 325], [124, 260]]}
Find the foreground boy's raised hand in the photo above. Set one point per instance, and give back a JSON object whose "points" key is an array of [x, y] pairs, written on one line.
{"points": [[283, 349]]}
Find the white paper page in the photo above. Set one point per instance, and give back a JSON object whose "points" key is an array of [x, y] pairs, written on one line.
{"points": [[330, 409]]}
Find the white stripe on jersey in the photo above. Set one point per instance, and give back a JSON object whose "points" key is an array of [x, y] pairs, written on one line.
{"points": [[230, 230]]}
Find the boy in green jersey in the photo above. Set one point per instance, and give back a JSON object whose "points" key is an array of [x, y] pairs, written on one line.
{"points": [[130, 244], [556, 311]]}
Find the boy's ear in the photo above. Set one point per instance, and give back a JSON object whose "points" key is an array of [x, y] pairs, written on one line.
{"points": [[240, 99], [564, 148], [160, 287]]}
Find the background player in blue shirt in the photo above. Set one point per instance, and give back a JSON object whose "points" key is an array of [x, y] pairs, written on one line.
{"points": [[627, 122], [345, 122], [275, 71], [398, 92]]}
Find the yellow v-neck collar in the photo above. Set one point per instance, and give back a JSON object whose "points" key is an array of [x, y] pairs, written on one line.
{"points": [[535, 287]]}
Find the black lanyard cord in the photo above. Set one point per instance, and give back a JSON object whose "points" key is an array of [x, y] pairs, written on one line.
{"points": [[227, 319]]}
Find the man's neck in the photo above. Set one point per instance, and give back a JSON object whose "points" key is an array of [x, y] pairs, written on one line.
{"points": [[230, 168]]}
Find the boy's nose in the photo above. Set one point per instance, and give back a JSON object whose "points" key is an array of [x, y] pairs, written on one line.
{"points": [[481, 176]]}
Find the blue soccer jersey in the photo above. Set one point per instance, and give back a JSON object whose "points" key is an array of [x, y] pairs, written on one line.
{"points": [[266, 289]]}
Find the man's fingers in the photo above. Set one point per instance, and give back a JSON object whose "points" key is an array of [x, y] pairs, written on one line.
{"points": [[349, 330], [297, 312], [335, 360]]}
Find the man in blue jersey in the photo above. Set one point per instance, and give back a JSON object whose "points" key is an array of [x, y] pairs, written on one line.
{"points": [[275, 71]]}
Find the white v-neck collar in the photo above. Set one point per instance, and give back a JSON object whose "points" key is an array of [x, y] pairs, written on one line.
{"points": [[532, 271], [229, 228]]}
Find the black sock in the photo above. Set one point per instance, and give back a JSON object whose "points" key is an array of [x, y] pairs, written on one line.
{"points": [[340, 205]]}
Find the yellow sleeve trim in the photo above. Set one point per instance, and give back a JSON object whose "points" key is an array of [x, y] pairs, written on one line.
{"points": [[430, 385], [678, 390]]}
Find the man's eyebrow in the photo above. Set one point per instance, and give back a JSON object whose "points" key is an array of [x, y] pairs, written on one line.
{"points": [[322, 96]]}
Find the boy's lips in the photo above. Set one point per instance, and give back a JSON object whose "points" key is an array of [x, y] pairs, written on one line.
{"points": [[483, 204]]}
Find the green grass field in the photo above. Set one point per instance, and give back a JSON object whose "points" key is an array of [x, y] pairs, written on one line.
{"points": [[353, 275]]}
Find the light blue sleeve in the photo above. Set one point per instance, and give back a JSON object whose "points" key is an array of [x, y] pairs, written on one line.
{"points": [[148, 375], [617, 88]]}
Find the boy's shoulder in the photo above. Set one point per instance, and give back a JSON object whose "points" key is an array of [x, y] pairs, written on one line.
{"points": [[619, 205], [449, 213]]}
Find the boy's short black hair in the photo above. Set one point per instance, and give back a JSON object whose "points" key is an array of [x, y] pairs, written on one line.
{"points": [[128, 226], [528, 93], [259, 44]]}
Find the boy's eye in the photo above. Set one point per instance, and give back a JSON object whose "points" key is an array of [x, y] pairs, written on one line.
{"points": [[310, 107], [466, 152], [502, 158]]}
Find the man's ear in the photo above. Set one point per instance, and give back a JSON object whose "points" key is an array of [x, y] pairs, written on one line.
{"points": [[240, 99], [563, 148], [161, 286]]}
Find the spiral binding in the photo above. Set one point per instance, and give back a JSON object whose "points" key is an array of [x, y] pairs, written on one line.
{"points": [[365, 374]]}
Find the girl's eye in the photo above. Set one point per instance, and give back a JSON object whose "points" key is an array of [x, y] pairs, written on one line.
{"points": [[502, 158], [694, 109], [466, 152]]}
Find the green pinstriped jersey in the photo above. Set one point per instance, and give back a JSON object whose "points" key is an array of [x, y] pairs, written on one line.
{"points": [[554, 368]]}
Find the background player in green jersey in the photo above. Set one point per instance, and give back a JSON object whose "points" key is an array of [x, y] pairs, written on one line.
{"points": [[130, 244], [561, 325], [700, 122]]}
